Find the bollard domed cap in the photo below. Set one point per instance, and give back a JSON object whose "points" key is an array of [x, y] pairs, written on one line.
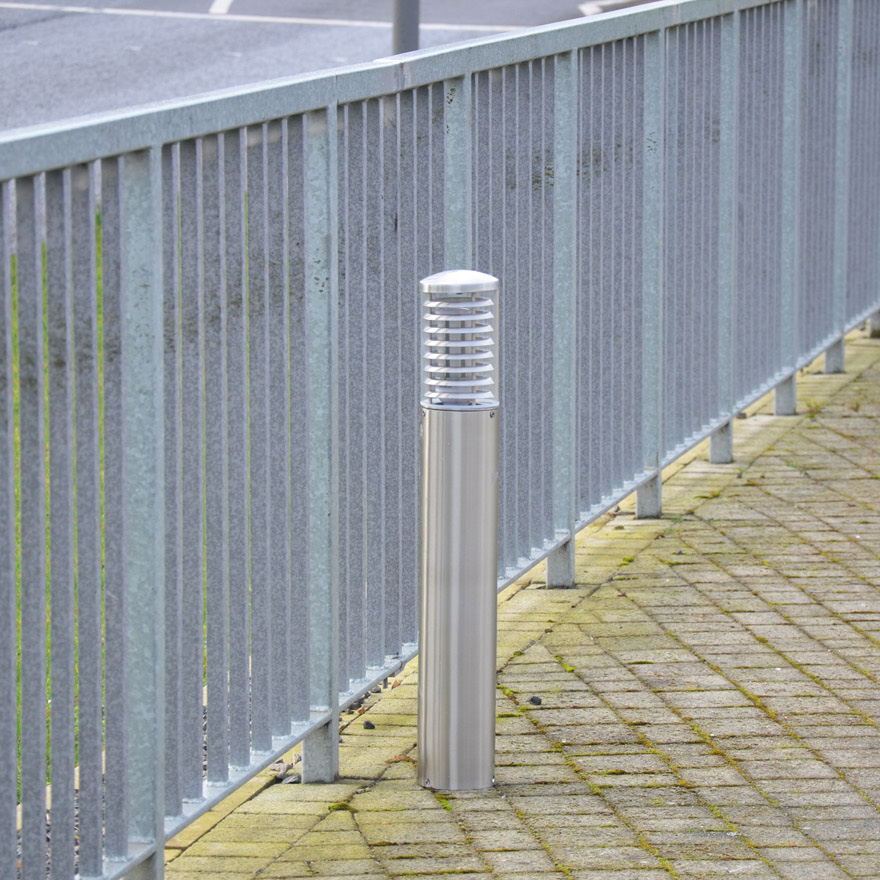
{"points": [[458, 282]]}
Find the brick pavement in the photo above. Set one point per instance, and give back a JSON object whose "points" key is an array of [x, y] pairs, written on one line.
{"points": [[710, 692]]}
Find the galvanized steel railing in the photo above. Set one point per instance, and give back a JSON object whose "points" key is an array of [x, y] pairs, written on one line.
{"points": [[209, 365]]}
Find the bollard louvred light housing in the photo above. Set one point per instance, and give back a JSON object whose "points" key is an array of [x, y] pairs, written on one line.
{"points": [[458, 339]]}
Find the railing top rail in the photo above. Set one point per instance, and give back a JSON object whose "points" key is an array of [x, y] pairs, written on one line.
{"points": [[31, 150]]}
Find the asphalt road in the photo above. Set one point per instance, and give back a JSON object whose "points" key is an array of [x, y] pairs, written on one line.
{"points": [[59, 61]]}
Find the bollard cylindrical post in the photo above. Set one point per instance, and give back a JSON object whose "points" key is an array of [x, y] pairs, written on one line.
{"points": [[459, 533]]}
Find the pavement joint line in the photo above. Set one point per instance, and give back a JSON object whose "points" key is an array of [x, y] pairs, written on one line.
{"points": [[812, 676], [817, 601], [596, 790], [654, 748], [772, 714], [800, 811]]}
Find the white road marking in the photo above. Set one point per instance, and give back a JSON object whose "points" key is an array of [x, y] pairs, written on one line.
{"points": [[255, 19], [220, 7]]}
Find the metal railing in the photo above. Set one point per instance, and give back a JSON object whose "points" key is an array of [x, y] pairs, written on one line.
{"points": [[209, 365]]}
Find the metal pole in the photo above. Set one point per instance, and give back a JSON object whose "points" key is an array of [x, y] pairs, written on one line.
{"points": [[405, 32], [459, 534]]}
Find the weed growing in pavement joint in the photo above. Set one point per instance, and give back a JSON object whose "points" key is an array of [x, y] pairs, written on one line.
{"points": [[341, 805], [442, 801]]}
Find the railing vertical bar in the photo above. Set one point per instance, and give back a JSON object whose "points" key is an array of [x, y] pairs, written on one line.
{"points": [[617, 317], [691, 335], [373, 366], [458, 174], [60, 398], [682, 331], [560, 563], [636, 257], [409, 220], [721, 449], [173, 517], [770, 315], [631, 255], [395, 427], [84, 213], [436, 140], [527, 495], [628, 127], [834, 357], [351, 520], [354, 390], [516, 296], [191, 467], [115, 657], [8, 552], [279, 172], [648, 498], [278, 419], [517, 304], [298, 414], [235, 220], [709, 306], [544, 280], [622, 189], [862, 188], [775, 213], [748, 339], [504, 105], [711, 403], [216, 489], [833, 36], [143, 487], [696, 325], [602, 278], [541, 278], [321, 748], [670, 217], [678, 233], [29, 271], [872, 99], [792, 281], [585, 275], [258, 447]]}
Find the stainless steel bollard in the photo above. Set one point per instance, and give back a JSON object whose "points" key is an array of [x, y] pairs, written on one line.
{"points": [[459, 533]]}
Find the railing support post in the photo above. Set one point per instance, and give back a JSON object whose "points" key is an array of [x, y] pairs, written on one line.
{"points": [[320, 753], [649, 498], [458, 553], [721, 444], [785, 397], [835, 357], [561, 561], [144, 505], [874, 326], [649, 495]]}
